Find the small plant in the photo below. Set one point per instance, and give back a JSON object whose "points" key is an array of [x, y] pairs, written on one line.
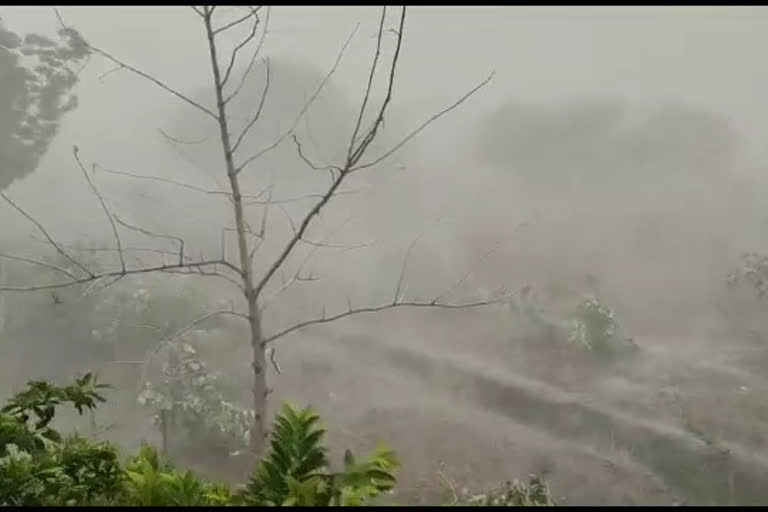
{"points": [[152, 481], [294, 471], [189, 396], [754, 271], [595, 328], [534, 493]]}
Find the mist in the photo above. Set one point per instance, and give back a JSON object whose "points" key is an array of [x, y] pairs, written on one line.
{"points": [[617, 150]]}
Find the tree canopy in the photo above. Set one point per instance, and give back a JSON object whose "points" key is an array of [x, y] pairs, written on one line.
{"points": [[37, 77]]}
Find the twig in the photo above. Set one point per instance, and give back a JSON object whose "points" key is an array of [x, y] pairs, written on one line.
{"points": [[370, 82], [39, 263], [47, 236], [180, 184], [376, 309], [258, 110], [236, 22], [255, 55], [343, 172], [155, 235], [141, 73], [482, 260], [275, 365], [233, 55], [103, 207], [304, 109], [92, 277], [424, 125]]}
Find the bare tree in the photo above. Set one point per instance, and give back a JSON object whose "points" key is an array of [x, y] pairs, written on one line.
{"points": [[257, 287]]}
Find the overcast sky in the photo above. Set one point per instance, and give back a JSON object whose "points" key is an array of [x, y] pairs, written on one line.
{"points": [[716, 56]]}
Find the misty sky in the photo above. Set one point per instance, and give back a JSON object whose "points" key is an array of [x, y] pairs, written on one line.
{"points": [[714, 56]]}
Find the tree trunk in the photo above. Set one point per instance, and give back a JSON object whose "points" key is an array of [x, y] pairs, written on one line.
{"points": [[260, 391], [258, 430], [2, 298]]}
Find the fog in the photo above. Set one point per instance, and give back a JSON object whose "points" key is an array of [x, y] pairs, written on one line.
{"points": [[621, 143]]}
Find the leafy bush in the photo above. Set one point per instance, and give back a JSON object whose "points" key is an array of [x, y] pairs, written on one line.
{"points": [[152, 481], [595, 328], [38, 466], [188, 396], [294, 472]]}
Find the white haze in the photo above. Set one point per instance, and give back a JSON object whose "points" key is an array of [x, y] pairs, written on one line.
{"points": [[557, 58]]}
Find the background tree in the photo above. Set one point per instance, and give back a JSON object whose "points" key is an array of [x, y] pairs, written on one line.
{"points": [[257, 287], [37, 76]]}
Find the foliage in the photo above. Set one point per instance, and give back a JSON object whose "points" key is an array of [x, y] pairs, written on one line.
{"points": [[152, 481], [534, 493], [294, 471], [189, 396], [754, 272], [37, 80], [589, 324], [595, 328], [40, 467], [41, 399]]}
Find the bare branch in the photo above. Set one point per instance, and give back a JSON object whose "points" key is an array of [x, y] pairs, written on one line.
{"points": [[180, 184], [273, 361], [155, 235], [194, 323], [143, 74], [482, 260], [176, 140], [237, 21], [233, 55], [309, 162], [301, 198], [48, 236], [258, 110], [376, 309], [103, 207], [39, 263], [370, 82], [155, 81], [343, 172], [205, 273], [406, 259], [120, 273], [424, 125], [297, 277], [304, 109], [255, 55], [112, 249], [197, 11], [356, 154]]}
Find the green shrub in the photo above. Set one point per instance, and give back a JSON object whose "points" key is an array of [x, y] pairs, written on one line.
{"points": [[294, 471], [39, 466], [189, 396]]}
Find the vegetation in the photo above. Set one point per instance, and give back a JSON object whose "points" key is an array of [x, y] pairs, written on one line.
{"points": [[189, 401], [595, 328], [37, 77], [39, 466], [588, 324]]}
